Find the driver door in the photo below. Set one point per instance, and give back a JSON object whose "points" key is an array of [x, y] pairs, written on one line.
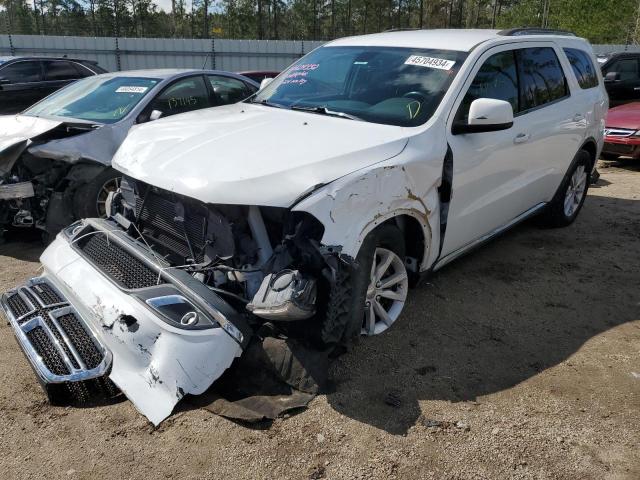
{"points": [[485, 165]]}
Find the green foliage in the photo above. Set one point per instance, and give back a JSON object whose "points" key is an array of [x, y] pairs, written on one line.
{"points": [[601, 21]]}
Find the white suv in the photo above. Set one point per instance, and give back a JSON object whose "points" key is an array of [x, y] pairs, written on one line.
{"points": [[367, 163]]}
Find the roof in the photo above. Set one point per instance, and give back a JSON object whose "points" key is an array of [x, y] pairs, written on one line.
{"points": [[443, 39], [166, 73]]}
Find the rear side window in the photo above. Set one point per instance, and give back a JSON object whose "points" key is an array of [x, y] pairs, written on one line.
{"points": [[228, 90], [582, 67], [22, 72], [542, 80], [59, 70], [496, 79]]}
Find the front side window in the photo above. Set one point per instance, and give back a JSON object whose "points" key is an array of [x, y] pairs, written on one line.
{"points": [[184, 95], [228, 90], [95, 99], [626, 68], [388, 85], [541, 77], [58, 70], [583, 68], [22, 72], [497, 79]]}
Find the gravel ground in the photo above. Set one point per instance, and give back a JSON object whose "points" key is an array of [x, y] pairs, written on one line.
{"points": [[521, 360]]}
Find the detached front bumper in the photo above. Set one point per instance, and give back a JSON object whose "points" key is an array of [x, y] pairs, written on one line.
{"points": [[153, 359]]}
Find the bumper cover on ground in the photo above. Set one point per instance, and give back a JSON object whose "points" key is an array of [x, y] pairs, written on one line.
{"points": [[152, 362]]}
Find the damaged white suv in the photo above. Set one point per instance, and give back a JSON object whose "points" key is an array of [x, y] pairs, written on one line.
{"points": [[312, 206]]}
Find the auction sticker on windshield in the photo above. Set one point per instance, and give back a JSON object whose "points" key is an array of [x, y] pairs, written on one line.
{"points": [[132, 89], [430, 62]]}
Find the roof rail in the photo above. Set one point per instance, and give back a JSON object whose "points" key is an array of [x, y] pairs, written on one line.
{"points": [[517, 32]]}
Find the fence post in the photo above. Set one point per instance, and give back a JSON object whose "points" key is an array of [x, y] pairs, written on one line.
{"points": [[117, 52], [12, 48], [213, 53]]}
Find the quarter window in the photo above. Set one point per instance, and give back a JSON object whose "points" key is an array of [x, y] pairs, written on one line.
{"points": [[541, 77], [22, 72], [184, 95], [582, 67], [496, 79]]}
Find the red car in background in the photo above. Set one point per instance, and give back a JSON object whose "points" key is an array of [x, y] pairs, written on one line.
{"points": [[622, 132]]}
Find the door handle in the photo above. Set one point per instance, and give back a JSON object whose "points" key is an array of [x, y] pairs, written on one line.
{"points": [[522, 138], [578, 117]]}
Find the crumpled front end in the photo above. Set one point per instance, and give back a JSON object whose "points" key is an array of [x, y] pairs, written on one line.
{"points": [[147, 349]]}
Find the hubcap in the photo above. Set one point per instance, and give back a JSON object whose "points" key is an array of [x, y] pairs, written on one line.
{"points": [[575, 191], [101, 202], [387, 292]]}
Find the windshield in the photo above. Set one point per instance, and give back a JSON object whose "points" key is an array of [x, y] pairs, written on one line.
{"points": [[394, 86], [95, 99]]}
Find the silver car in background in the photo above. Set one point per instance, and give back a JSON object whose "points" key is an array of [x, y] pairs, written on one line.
{"points": [[55, 157]]}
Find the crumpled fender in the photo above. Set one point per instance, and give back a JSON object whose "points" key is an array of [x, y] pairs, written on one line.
{"points": [[354, 205], [16, 132], [99, 145]]}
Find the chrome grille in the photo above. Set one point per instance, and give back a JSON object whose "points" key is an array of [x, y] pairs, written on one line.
{"points": [[53, 334], [618, 132]]}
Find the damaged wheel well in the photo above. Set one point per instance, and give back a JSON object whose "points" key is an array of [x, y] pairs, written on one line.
{"points": [[414, 239]]}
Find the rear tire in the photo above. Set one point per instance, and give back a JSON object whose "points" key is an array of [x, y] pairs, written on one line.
{"points": [[570, 197], [89, 200]]}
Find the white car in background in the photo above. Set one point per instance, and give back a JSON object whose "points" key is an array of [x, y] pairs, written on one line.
{"points": [[369, 162]]}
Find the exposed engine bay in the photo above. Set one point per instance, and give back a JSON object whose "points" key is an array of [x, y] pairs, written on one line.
{"points": [[267, 262], [40, 175]]}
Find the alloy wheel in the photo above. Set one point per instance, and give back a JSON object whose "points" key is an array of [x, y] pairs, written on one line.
{"points": [[109, 186], [575, 191], [387, 292]]}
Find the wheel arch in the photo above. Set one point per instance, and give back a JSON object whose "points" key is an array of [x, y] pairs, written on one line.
{"points": [[591, 146]]}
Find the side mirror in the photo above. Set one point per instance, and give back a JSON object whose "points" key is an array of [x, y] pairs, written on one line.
{"points": [[486, 115], [155, 115], [612, 77], [265, 82]]}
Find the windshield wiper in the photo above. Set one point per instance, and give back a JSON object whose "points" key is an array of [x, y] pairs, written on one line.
{"points": [[326, 111], [267, 103]]}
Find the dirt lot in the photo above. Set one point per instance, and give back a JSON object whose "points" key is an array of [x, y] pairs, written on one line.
{"points": [[521, 360]]}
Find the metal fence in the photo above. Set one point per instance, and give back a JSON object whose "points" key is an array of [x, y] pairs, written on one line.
{"points": [[140, 53]]}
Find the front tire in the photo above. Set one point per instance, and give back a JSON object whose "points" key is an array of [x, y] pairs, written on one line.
{"points": [[90, 199], [568, 201], [369, 297]]}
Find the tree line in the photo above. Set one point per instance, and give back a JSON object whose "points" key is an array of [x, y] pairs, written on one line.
{"points": [[601, 21]]}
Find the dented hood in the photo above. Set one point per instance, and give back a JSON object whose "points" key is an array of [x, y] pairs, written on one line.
{"points": [[251, 154]]}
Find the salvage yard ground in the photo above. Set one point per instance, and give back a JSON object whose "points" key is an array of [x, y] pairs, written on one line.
{"points": [[521, 360]]}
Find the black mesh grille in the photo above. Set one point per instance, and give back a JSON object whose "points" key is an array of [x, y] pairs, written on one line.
{"points": [[47, 294], [50, 356], [157, 217], [81, 340], [17, 305], [125, 269]]}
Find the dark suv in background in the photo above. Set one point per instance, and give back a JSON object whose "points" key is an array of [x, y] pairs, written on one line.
{"points": [[26, 80], [622, 77]]}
